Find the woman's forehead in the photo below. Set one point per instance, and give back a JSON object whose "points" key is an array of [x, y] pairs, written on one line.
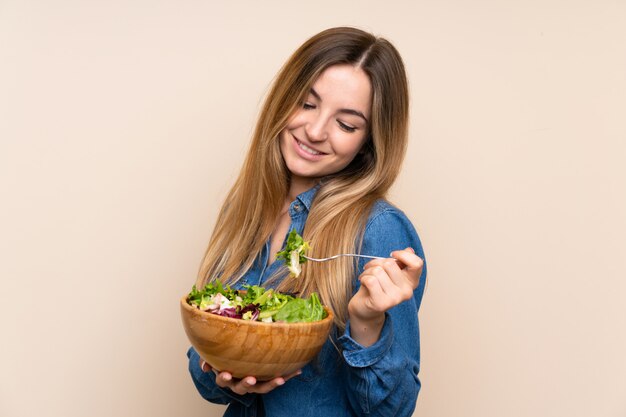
{"points": [[344, 86]]}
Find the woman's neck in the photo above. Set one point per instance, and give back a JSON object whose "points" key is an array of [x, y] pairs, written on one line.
{"points": [[298, 185]]}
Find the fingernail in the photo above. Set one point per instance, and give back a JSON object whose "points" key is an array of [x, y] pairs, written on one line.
{"points": [[280, 382], [227, 377], [250, 381], [204, 366]]}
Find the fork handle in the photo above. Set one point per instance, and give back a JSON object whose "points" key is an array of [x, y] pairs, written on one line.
{"points": [[363, 256], [342, 254]]}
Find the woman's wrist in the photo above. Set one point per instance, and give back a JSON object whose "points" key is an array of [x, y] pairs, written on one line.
{"points": [[366, 330]]}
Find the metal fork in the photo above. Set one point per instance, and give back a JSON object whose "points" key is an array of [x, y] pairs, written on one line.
{"points": [[341, 254]]}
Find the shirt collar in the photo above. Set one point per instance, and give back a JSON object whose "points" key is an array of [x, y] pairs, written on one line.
{"points": [[306, 198]]}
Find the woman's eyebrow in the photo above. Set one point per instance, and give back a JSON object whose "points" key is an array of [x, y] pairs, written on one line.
{"points": [[347, 111], [317, 96]]}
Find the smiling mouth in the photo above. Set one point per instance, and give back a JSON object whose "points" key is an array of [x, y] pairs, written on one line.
{"points": [[308, 150]]}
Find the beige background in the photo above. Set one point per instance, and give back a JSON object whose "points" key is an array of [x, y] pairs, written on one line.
{"points": [[122, 124]]}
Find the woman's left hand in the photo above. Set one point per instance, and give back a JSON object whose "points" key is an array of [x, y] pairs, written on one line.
{"points": [[385, 283]]}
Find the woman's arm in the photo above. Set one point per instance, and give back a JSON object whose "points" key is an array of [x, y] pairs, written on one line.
{"points": [[385, 283], [383, 367]]}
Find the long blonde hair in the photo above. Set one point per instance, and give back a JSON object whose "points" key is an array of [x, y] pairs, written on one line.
{"points": [[343, 201]]}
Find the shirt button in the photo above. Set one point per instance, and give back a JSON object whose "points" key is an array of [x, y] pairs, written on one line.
{"points": [[296, 207]]}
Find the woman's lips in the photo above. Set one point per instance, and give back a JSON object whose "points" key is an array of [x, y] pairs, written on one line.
{"points": [[306, 151]]}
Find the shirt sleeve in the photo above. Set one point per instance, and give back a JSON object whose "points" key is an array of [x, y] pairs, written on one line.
{"points": [[383, 378], [208, 389]]}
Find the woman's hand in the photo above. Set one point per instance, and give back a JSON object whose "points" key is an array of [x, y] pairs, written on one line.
{"points": [[385, 283], [247, 385]]}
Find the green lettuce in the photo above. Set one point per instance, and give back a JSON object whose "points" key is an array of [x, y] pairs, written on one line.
{"points": [[257, 303], [293, 254], [301, 310]]}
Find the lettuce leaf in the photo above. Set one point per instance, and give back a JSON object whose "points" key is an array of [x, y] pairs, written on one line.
{"points": [[301, 310], [257, 303], [293, 253]]}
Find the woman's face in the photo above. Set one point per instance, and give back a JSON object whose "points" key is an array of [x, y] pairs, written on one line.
{"points": [[327, 131]]}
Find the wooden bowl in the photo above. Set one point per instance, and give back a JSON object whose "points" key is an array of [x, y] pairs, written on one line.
{"points": [[253, 348]]}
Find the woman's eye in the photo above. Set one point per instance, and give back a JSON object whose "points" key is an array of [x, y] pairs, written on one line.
{"points": [[346, 127], [308, 106]]}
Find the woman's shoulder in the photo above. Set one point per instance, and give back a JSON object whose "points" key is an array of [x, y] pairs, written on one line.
{"points": [[384, 211], [388, 228]]}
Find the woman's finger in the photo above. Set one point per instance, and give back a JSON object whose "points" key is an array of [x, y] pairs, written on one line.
{"points": [[241, 386], [387, 285], [204, 366], [394, 286], [249, 384], [268, 386], [223, 379], [276, 382], [376, 293], [413, 264], [393, 280], [399, 283], [411, 261]]}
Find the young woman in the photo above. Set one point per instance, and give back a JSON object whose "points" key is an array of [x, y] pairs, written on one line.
{"points": [[327, 147]]}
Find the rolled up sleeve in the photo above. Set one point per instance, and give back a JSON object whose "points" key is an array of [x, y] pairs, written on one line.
{"points": [[383, 378]]}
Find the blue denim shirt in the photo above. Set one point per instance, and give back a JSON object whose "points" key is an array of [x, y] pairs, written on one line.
{"points": [[379, 380]]}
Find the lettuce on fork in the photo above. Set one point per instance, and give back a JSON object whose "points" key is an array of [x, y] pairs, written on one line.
{"points": [[293, 254]]}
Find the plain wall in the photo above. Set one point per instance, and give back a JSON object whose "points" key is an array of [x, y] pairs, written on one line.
{"points": [[123, 124]]}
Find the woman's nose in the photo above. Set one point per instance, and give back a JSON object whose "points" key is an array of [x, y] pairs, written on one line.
{"points": [[316, 129]]}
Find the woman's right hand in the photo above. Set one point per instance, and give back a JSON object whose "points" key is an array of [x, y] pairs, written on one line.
{"points": [[247, 385]]}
